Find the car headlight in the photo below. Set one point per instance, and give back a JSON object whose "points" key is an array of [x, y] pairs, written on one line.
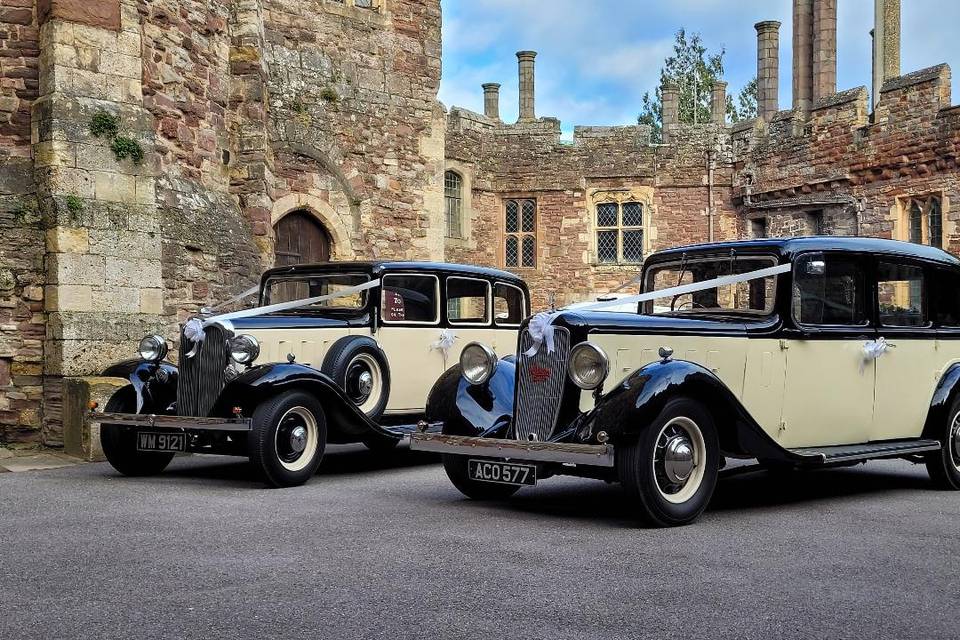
{"points": [[153, 348], [244, 349], [477, 362], [588, 366]]}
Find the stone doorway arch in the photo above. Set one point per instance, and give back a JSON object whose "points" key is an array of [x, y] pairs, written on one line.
{"points": [[332, 222]]}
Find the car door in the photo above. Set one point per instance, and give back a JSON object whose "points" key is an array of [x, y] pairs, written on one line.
{"points": [[908, 370], [828, 398], [409, 327]]}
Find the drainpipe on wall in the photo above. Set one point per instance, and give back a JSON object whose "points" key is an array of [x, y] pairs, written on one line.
{"points": [[710, 212]]}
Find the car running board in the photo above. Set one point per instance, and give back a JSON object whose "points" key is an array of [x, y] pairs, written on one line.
{"points": [[868, 451]]}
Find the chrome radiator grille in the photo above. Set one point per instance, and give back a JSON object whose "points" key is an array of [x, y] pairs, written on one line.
{"points": [[540, 382], [202, 376]]}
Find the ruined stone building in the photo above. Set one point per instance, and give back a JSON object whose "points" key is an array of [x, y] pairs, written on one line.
{"points": [[157, 154]]}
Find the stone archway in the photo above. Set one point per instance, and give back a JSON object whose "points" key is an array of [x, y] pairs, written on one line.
{"points": [[331, 221]]}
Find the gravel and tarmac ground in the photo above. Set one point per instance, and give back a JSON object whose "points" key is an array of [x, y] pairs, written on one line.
{"points": [[378, 547]]}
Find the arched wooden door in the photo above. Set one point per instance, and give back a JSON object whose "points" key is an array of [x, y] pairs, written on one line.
{"points": [[300, 240]]}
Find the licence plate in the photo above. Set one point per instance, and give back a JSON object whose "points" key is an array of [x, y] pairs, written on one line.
{"points": [[152, 441], [502, 472]]}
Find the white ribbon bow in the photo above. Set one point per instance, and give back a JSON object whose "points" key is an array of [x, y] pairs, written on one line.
{"points": [[873, 349], [193, 331], [541, 330], [444, 344]]}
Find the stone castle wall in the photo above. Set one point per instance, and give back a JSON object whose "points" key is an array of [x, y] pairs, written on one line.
{"points": [[244, 110]]}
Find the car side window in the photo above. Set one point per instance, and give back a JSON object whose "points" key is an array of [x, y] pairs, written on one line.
{"points": [[410, 298], [900, 294], [829, 290], [468, 301], [946, 293], [509, 305]]}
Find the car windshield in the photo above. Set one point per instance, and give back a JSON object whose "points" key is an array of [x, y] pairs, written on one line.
{"points": [[283, 288], [754, 297]]}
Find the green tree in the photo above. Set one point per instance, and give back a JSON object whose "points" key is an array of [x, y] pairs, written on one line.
{"points": [[746, 107], [693, 70]]}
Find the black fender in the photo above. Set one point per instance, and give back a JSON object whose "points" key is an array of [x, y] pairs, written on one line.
{"points": [[630, 407], [474, 410], [155, 383], [943, 395], [345, 422]]}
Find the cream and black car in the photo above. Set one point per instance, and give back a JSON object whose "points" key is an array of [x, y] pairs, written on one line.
{"points": [[355, 365], [840, 351]]}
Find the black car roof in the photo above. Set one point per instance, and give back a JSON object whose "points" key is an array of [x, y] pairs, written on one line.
{"points": [[787, 248], [380, 266]]}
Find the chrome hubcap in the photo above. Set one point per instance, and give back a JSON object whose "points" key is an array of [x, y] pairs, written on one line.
{"points": [[678, 461], [298, 439], [365, 383], [954, 443]]}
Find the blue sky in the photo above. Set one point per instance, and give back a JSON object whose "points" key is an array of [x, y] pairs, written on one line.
{"points": [[597, 57]]}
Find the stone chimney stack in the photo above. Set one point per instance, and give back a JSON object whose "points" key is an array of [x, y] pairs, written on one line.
{"points": [[670, 98], [824, 48], [768, 68], [718, 102], [491, 100], [886, 44], [525, 59], [802, 55]]}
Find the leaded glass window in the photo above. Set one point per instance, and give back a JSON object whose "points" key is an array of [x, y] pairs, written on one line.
{"points": [[520, 233], [619, 232], [453, 202], [924, 220]]}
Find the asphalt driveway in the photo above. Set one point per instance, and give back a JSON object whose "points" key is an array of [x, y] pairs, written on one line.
{"points": [[387, 548]]}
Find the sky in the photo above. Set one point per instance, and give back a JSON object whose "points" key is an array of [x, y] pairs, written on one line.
{"points": [[596, 58]]}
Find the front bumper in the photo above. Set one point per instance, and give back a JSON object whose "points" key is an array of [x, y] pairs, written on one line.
{"points": [[172, 422], [596, 455]]}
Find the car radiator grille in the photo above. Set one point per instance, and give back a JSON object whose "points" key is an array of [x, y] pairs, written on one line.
{"points": [[202, 376], [540, 382]]}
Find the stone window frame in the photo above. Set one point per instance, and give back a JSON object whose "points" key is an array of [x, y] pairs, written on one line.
{"points": [[351, 8], [453, 220], [520, 235], [621, 195], [465, 171], [920, 208]]}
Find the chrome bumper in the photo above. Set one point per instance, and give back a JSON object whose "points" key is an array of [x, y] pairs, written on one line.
{"points": [[596, 455], [172, 422]]}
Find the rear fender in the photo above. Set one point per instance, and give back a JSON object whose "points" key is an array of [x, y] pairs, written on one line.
{"points": [[473, 410], [345, 421], [155, 384], [633, 405], [943, 395]]}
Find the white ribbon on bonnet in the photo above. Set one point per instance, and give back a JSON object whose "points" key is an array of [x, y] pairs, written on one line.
{"points": [[193, 329], [541, 325]]}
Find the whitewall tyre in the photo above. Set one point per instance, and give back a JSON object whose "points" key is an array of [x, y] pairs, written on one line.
{"points": [[359, 367], [288, 438], [670, 470], [944, 465]]}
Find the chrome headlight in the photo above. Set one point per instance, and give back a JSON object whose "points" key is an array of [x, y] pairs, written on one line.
{"points": [[244, 349], [477, 363], [153, 348], [588, 366]]}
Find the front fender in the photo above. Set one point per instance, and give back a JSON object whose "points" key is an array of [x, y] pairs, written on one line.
{"points": [[345, 422], [473, 410], [155, 384], [943, 395], [633, 405]]}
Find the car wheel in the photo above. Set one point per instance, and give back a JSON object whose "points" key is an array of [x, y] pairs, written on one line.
{"points": [[944, 465], [119, 442], [670, 471], [456, 468], [288, 438], [359, 367]]}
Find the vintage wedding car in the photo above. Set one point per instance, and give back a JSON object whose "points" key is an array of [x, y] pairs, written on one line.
{"points": [[278, 382], [799, 352]]}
